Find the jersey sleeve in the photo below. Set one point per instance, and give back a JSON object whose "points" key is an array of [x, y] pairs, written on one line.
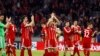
{"points": [[2, 25], [67, 31]]}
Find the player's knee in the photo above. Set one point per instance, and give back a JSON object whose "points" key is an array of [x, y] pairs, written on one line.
{"points": [[23, 48]]}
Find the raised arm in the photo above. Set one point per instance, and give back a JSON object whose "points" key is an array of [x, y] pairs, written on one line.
{"points": [[57, 21], [67, 31], [54, 17], [49, 20], [32, 23], [7, 22]]}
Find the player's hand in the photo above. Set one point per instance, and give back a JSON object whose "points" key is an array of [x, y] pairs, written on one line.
{"points": [[95, 31], [52, 15], [7, 19], [32, 17], [51, 19]]}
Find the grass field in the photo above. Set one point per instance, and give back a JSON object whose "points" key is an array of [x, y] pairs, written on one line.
{"points": [[40, 53]]}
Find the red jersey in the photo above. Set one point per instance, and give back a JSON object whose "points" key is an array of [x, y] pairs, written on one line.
{"points": [[67, 36], [51, 32], [43, 32], [67, 32], [88, 33], [25, 31], [87, 38], [51, 40], [31, 31], [26, 35], [75, 30], [11, 31]]}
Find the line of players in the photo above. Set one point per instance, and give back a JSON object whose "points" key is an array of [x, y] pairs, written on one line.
{"points": [[50, 33], [10, 33], [72, 37]]}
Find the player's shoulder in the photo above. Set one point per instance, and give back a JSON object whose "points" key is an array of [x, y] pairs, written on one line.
{"points": [[86, 29], [57, 28], [64, 27], [22, 24], [72, 26], [78, 26]]}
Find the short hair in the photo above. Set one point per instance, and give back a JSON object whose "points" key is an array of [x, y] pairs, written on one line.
{"points": [[1, 14], [89, 23]]}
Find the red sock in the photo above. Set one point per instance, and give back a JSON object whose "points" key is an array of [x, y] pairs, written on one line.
{"points": [[74, 51], [29, 52], [22, 52], [8, 53], [56, 53], [52, 53], [84, 52], [77, 51], [14, 51], [8, 50], [46, 52], [88, 53]]}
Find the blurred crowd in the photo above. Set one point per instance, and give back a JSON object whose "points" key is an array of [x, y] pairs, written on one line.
{"points": [[81, 10]]}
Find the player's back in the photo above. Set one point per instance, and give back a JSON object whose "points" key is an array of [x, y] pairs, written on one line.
{"points": [[88, 33]]}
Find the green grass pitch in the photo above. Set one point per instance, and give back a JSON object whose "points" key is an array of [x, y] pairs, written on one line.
{"points": [[40, 53]]}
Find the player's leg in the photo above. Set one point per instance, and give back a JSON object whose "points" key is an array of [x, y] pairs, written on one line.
{"points": [[3, 52], [65, 51], [8, 50], [71, 47], [88, 52], [49, 52], [85, 52], [22, 51], [78, 53], [13, 50], [56, 52], [22, 46], [8, 47], [45, 52], [2, 45], [46, 48], [28, 44], [67, 46], [29, 51], [71, 51], [12, 47], [54, 48], [50, 49], [86, 47], [76, 50]]}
